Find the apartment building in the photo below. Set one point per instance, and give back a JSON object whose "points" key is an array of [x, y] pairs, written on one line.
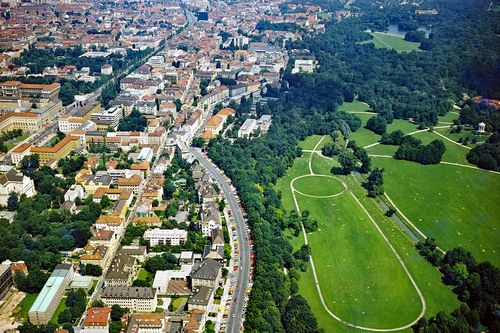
{"points": [[97, 320], [26, 121], [146, 323], [59, 151], [18, 89], [165, 236], [69, 124], [137, 299], [108, 118], [122, 271]]}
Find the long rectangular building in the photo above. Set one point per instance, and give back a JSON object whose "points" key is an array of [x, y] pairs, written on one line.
{"points": [[49, 298], [137, 299], [166, 236], [26, 121], [59, 151]]}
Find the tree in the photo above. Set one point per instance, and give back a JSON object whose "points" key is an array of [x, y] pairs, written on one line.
{"points": [[30, 163], [347, 161], [168, 189], [117, 312], [31, 283], [65, 317], [115, 327], [377, 124], [297, 316], [135, 121], [375, 184], [67, 93], [198, 142], [98, 304], [140, 283], [161, 262], [394, 138], [106, 202], [12, 202], [91, 269]]}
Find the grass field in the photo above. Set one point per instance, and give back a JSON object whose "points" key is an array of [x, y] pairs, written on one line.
{"points": [[397, 43], [25, 305], [361, 280], [354, 106], [318, 186], [454, 205]]}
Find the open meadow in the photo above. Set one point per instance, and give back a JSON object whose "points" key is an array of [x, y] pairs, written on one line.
{"points": [[356, 253], [388, 41]]}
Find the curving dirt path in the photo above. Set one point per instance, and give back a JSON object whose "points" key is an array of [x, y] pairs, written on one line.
{"points": [[316, 281]]}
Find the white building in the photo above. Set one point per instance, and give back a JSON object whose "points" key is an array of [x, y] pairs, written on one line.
{"points": [[247, 129], [108, 118], [14, 181], [162, 278], [166, 236], [136, 299], [304, 66], [106, 69], [75, 191], [69, 124]]}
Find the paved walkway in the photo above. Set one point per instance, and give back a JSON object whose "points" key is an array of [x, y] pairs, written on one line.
{"points": [[316, 281]]}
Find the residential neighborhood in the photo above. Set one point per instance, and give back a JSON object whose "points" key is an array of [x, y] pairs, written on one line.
{"points": [[99, 105]]}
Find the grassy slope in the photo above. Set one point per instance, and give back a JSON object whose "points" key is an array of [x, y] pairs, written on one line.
{"points": [[386, 41], [457, 206], [437, 295]]}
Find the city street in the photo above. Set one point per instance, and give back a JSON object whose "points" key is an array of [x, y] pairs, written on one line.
{"points": [[235, 320]]}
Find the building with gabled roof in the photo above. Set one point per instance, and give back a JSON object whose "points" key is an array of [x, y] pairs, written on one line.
{"points": [[15, 182]]}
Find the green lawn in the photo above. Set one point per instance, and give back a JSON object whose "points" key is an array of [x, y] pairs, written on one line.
{"points": [[382, 150], [177, 302], [360, 278], [454, 205], [454, 153], [448, 117], [142, 274], [397, 43], [24, 306], [354, 106], [310, 142], [62, 306], [317, 185], [403, 125], [364, 136]]}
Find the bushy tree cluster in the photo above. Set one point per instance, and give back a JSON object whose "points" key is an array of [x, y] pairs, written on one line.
{"points": [[375, 183], [394, 138], [476, 284], [377, 125], [413, 150], [135, 121], [487, 155], [91, 269]]}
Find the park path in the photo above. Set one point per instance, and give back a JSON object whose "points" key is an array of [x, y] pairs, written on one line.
{"points": [[313, 267]]}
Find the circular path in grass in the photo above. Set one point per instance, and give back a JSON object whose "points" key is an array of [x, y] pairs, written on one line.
{"points": [[318, 186]]}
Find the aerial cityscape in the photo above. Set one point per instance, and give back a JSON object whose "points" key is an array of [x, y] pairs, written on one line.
{"points": [[200, 166]]}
